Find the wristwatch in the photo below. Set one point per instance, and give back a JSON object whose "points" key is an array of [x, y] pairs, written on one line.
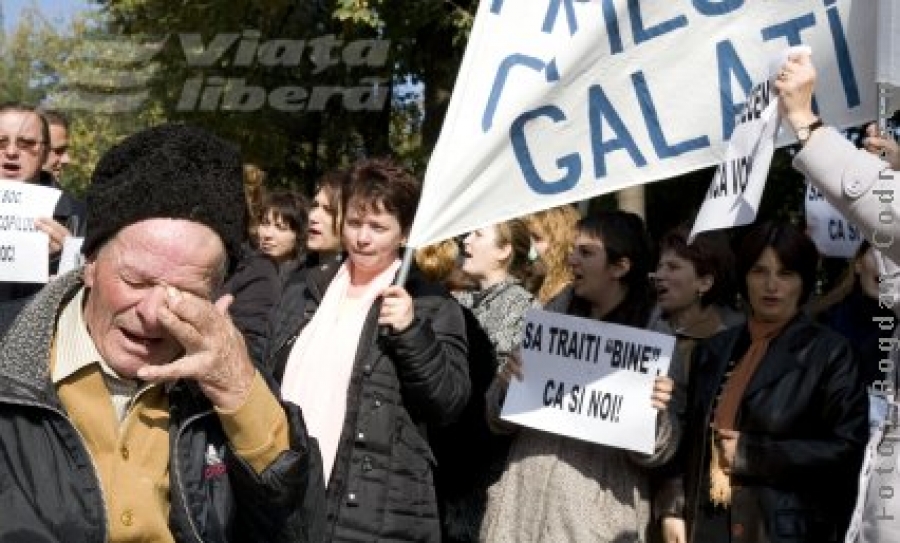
{"points": [[804, 132]]}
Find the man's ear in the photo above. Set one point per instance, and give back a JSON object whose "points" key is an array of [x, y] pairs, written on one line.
{"points": [[90, 272], [621, 267]]}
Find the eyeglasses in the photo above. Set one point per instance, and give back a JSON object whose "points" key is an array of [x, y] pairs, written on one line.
{"points": [[22, 143]]}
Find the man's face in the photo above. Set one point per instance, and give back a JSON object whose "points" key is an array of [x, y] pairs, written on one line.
{"points": [[58, 154], [127, 281], [22, 146]]}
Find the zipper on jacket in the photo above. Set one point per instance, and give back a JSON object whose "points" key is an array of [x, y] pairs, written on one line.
{"points": [[103, 513], [175, 469]]}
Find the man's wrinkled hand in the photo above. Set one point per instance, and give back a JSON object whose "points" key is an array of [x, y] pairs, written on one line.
{"points": [[215, 355]]}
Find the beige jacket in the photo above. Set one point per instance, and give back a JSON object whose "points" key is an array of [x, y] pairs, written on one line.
{"points": [[859, 184]]}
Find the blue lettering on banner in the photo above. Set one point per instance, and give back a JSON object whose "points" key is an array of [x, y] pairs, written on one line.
{"points": [[790, 30], [607, 129], [842, 54], [651, 119], [611, 18], [642, 34], [553, 14], [717, 7], [571, 163], [814, 194], [730, 64], [599, 108], [550, 73]]}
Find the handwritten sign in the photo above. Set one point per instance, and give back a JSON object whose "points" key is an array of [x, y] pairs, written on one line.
{"points": [[830, 231], [589, 380], [24, 251], [737, 187], [24, 257]]}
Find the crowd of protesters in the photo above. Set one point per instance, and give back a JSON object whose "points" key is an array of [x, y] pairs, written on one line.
{"points": [[234, 363]]}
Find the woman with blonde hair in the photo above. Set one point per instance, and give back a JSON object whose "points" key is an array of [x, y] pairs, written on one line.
{"points": [[553, 237], [471, 458]]}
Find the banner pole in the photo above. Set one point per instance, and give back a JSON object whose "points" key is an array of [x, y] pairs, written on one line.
{"points": [[405, 265], [883, 114]]}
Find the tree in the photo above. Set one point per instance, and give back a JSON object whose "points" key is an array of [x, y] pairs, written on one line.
{"points": [[423, 51], [53, 66]]}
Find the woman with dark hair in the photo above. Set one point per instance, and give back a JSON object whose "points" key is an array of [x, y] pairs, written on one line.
{"points": [[773, 406], [693, 282], [326, 215], [282, 229], [556, 488], [373, 365], [322, 239]]}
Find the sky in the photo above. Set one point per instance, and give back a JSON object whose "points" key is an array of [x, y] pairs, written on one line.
{"points": [[55, 11]]}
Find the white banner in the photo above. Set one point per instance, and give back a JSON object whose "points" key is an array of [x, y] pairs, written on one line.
{"points": [[833, 234], [589, 380], [561, 100]]}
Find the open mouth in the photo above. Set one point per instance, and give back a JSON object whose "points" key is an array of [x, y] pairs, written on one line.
{"points": [[140, 339], [9, 169]]}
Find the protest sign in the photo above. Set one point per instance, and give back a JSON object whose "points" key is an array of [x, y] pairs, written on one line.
{"points": [[558, 101], [24, 254], [737, 187], [24, 257], [833, 234], [589, 380]]}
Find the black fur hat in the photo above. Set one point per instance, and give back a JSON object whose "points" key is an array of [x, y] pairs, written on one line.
{"points": [[169, 171]]}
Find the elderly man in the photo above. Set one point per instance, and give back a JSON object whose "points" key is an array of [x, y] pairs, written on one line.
{"points": [[129, 407]]}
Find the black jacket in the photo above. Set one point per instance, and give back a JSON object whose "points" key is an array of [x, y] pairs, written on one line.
{"points": [[49, 487], [803, 427], [381, 486], [255, 285]]}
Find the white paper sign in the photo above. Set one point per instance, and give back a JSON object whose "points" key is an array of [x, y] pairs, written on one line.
{"points": [[25, 200], [589, 380], [24, 257], [558, 101], [737, 187], [71, 256], [830, 231], [24, 251]]}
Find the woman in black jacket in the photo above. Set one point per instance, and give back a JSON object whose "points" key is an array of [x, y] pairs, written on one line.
{"points": [[776, 417], [372, 365]]}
